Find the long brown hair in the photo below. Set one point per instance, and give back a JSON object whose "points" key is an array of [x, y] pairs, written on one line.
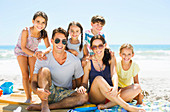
{"points": [[81, 30], [42, 14], [107, 55]]}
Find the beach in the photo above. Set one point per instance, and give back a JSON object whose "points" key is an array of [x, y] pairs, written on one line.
{"points": [[154, 75]]}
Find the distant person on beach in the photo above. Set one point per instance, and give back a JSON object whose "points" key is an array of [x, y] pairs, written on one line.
{"points": [[102, 76], [128, 82], [75, 46], [26, 49], [52, 78]]}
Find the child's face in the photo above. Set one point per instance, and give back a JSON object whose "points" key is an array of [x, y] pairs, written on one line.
{"points": [[126, 55], [74, 31], [98, 47], [97, 27], [39, 23]]}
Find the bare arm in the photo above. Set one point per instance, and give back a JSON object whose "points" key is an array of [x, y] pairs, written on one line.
{"points": [[78, 82], [41, 54], [136, 80], [85, 57], [114, 76], [85, 50], [87, 69], [24, 37], [84, 85], [47, 44], [73, 52]]}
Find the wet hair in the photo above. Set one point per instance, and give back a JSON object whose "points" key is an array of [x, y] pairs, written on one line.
{"points": [[42, 14], [126, 45], [107, 55], [81, 30], [97, 18]]}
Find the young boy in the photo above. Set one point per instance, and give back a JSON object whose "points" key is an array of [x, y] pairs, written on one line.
{"points": [[97, 23]]}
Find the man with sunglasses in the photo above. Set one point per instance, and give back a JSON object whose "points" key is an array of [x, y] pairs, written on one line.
{"points": [[52, 79]]}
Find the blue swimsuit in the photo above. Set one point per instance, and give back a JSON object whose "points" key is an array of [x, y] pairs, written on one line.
{"points": [[105, 74]]}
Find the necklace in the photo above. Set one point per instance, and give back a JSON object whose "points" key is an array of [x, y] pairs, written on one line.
{"points": [[101, 67]]}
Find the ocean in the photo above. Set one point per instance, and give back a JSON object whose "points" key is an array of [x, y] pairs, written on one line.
{"points": [[142, 52]]}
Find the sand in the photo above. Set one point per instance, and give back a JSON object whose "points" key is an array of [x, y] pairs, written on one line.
{"points": [[154, 77]]}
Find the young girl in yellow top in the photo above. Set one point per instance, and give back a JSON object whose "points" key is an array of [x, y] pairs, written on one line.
{"points": [[127, 71]]}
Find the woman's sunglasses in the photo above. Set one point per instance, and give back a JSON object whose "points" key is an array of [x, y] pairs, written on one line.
{"points": [[100, 46], [57, 40]]}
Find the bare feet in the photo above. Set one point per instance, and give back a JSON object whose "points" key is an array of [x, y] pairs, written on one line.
{"points": [[34, 107], [45, 109], [45, 106], [101, 106], [28, 101]]}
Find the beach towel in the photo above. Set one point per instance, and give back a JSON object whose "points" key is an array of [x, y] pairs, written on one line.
{"points": [[156, 106]]}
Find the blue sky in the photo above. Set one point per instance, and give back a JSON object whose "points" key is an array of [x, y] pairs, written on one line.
{"points": [[132, 21]]}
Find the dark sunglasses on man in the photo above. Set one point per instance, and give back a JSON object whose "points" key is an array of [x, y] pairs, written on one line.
{"points": [[57, 40]]}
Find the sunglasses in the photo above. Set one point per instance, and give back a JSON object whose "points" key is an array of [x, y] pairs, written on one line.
{"points": [[57, 40], [100, 46]]}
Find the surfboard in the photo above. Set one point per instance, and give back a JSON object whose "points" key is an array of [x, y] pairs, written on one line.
{"points": [[18, 98], [86, 107]]}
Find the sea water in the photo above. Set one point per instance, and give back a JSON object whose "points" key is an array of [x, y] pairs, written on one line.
{"points": [[142, 52], [152, 59]]}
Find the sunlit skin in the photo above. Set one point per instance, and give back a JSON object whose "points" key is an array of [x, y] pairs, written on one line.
{"points": [[39, 23], [98, 52], [100, 89], [27, 63], [74, 32], [58, 48], [128, 93], [126, 55], [96, 27]]}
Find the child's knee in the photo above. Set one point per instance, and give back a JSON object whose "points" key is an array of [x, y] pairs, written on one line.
{"points": [[138, 88]]}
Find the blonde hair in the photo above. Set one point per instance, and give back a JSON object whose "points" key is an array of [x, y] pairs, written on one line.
{"points": [[126, 45]]}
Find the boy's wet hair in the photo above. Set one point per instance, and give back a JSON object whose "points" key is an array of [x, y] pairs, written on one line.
{"points": [[97, 18], [59, 30], [126, 45], [44, 15]]}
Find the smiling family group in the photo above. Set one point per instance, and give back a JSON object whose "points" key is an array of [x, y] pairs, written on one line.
{"points": [[53, 74]]}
